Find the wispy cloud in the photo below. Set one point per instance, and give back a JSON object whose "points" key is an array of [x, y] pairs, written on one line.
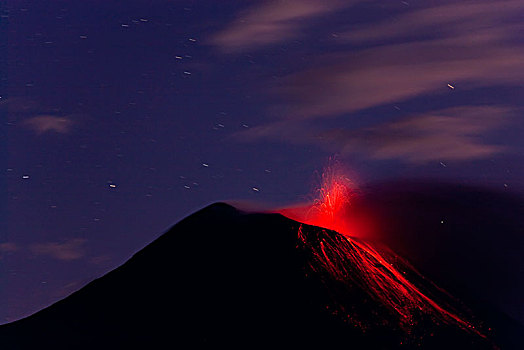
{"points": [[272, 22], [449, 134], [100, 259], [48, 123], [467, 45], [399, 72], [429, 52], [8, 247], [445, 19], [71, 249]]}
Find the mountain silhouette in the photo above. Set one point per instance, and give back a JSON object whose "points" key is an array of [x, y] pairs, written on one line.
{"points": [[227, 278]]}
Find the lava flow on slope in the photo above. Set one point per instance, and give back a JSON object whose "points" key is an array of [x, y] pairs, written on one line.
{"points": [[353, 261]]}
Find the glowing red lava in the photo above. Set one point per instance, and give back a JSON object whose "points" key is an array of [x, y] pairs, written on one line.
{"points": [[354, 261], [330, 208]]}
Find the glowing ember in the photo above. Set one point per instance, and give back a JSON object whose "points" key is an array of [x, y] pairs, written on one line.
{"points": [[378, 271]]}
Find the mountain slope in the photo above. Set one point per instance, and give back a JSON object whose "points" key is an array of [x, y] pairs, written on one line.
{"points": [[222, 277]]}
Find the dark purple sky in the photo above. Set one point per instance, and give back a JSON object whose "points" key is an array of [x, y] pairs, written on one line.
{"points": [[125, 116]]}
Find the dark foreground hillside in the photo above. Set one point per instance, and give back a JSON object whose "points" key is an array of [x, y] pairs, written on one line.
{"points": [[222, 278]]}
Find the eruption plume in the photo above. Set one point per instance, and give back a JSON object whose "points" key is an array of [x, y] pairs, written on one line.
{"points": [[334, 199]]}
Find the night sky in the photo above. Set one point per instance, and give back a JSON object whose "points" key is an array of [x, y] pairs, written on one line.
{"points": [[122, 117]]}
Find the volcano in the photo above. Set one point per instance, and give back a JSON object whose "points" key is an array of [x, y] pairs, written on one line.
{"points": [[223, 277]]}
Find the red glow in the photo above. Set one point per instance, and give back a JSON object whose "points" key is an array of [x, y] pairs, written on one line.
{"points": [[331, 207], [329, 210], [353, 261]]}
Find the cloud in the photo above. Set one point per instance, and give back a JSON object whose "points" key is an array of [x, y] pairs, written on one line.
{"points": [[8, 247], [399, 72], [46, 123], [466, 45], [425, 51], [449, 134], [433, 51], [443, 20], [100, 259], [71, 249], [272, 22]]}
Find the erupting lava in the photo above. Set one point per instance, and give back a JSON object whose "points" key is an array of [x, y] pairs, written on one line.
{"points": [[329, 210], [348, 259]]}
